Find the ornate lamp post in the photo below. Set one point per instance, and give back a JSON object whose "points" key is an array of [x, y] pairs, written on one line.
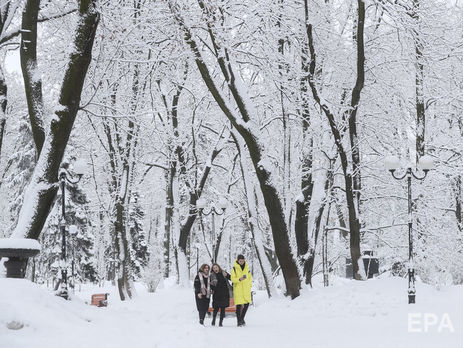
{"points": [[73, 232], [222, 205], [426, 163], [80, 168]]}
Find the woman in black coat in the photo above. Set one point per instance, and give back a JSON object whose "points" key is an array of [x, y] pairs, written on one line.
{"points": [[202, 291], [221, 294]]}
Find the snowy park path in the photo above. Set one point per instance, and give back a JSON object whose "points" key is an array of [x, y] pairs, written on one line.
{"points": [[348, 314]]}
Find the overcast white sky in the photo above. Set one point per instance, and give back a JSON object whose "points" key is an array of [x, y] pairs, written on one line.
{"points": [[12, 63]]}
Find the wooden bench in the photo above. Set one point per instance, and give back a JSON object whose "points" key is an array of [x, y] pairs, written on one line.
{"points": [[100, 300], [230, 309]]}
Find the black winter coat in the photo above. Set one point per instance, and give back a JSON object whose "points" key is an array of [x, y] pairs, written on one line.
{"points": [[202, 304], [221, 294]]}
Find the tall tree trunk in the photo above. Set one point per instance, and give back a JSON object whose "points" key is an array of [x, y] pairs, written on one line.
{"points": [[252, 219], [122, 248], [272, 198], [351, 178], [282, 67], [231, 182], [122, 202], [301, 223], [3, 102], [176, 168], [170, 173], [31, 73], [317, 225], [419, 82], [354, 210], [41, 191], [124, 194], [458, 193], [122, 167], [185, 229], [355, 100]]}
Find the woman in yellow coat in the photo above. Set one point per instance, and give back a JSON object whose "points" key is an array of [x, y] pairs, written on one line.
{"points": [[242, 283]]}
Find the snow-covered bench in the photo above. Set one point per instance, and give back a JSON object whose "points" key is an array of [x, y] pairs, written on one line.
{"points": [[18, 250]]}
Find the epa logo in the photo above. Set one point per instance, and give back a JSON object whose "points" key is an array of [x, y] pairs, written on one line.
{"points": [[430, 322]]}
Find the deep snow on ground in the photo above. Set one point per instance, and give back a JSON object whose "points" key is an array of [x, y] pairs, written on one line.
{"points": [[374, 313]]}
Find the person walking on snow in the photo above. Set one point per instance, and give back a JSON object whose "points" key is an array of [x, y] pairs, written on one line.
{"points": [[242, 283], [202, 291], [220, 293]]}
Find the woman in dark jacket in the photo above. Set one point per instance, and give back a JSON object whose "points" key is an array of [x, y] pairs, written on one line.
{"points": [[221, 294], [202, 291]]}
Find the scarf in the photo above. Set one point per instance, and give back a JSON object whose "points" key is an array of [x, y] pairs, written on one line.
{"points": [[214, 278], [204, 290]]}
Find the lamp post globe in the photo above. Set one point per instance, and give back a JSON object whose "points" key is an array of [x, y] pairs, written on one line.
{"points": [[80, 167], [426, 163], [201, 203], [223, 203], [391, 163]]}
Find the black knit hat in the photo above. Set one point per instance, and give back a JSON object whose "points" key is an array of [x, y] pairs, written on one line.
{"points": [[240, 257]]}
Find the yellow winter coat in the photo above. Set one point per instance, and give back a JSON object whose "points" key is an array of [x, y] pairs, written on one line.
{"points": [[241, 289]]}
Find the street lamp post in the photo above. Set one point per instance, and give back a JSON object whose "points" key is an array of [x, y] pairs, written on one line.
{"points": [[79, 170], [222, 205], [73, 232], [392, 164]]}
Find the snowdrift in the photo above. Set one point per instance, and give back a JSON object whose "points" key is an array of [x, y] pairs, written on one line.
{"points": [[374, 313]]}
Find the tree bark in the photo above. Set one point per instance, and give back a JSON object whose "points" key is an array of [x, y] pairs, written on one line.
{"points": [[172, 173], [317, 227], [3, 102], [124, 193], [231, 182], [252, 220], [193, 211], [122, 250], [272, 199], [168, 218], [301, 223], [121, 179], [419, 82], [458, 193], [42, 189], [285, 122], [351, 179], [355, 100], [31, 73]]}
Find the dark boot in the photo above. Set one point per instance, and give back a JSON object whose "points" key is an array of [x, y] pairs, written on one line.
{"points": [[222, 315], [243, 313], [238, 314], [201, 317]]}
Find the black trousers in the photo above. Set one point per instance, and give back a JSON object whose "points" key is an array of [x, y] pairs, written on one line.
{"points": [[202, 314], [202, 305], [222, 313], [241, 311]]}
